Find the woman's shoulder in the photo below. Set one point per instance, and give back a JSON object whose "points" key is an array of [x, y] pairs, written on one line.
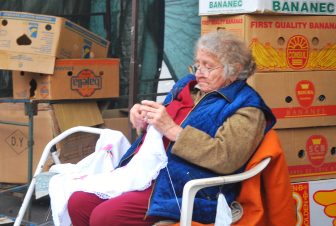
{"points": [[185, 79]]}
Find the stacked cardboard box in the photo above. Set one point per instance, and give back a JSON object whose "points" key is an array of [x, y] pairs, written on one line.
{"points": [[295, 57], [49, 121], [55, 59], [52, 59], [32, 42], [72, 79]]}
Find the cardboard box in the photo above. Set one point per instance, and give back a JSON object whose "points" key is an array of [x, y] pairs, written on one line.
{"points": [[73, 114], [32, 42], [283, 43], [14, 139], [77, 146], [310, 152], [298, 99], [72, 79], [67, 115], [315, 202], [117, 119], [316, 7]]}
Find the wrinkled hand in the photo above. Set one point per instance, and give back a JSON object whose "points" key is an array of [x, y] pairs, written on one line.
{"points": [[328, 200], [137, 118], [156, 115]]}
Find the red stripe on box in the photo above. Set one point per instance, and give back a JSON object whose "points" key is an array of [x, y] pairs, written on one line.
{"points": [[299, 112], [309, 170]]}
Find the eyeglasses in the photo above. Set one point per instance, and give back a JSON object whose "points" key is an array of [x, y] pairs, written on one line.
{"points": [[206, 71]]}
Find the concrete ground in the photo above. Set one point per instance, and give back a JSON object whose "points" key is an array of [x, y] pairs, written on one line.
{"points": [[11, 197]]}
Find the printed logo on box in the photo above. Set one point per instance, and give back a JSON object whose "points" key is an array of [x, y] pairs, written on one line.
{"points": [[87, 49], [297, 51], [44, 92], [317, 147], [303, 7], [33, 27], [297, 56], [305, 95], [301, 198], [319, 7], [315, 202], [327, 199], [305, 92], [86, 82], [17, 141]]}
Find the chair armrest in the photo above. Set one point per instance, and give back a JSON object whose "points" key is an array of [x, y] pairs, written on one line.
{"points": [[192, 187]]}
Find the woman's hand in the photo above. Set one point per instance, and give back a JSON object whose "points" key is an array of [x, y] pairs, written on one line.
{"points": [[157, 116], [137, 118]]}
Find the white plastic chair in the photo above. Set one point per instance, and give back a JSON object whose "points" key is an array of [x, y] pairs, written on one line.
{"points": [[45, 154], [189, 191], [192, 187]]}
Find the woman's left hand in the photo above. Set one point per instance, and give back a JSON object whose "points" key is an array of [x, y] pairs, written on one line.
{"points": [[158, 117]]}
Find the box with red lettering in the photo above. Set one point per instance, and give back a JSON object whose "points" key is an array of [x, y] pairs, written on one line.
{"points": [[310, 152], [315, 202], [298, 99], [282, 43]]}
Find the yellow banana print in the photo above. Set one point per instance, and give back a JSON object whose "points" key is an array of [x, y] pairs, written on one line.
{"points": [[268, 58], [327, 198]]}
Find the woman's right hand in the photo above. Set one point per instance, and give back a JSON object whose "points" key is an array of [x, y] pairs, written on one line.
{"points": [[137, 118]]}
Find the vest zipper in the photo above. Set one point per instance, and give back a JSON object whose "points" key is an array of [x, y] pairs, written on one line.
{"points": [[131, 155], [154, 183]]}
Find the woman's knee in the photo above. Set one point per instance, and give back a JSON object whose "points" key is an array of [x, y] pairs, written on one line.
{"points": [[76, 200]]}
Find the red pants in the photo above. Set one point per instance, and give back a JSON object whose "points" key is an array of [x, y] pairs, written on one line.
{"points": [[127, 209]]}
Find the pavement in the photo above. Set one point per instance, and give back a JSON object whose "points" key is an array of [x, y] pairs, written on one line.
{"points": [[11, 198]]}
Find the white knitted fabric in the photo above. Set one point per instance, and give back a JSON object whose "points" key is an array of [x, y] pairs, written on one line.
{"points": [[97, 174]]}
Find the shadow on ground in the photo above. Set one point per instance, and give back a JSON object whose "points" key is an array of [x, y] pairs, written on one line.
{"points": [[37, 214]]}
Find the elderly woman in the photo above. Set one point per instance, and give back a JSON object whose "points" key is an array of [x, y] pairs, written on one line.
{"points": [[212, 123]]}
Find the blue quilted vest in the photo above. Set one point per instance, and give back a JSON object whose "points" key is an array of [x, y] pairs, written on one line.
{"points": [[208, 115]]}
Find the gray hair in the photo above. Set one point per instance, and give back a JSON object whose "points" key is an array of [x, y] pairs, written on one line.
{"points": [[233, 53]]}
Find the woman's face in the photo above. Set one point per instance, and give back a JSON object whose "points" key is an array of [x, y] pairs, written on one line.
{"points": [[210, 75]]}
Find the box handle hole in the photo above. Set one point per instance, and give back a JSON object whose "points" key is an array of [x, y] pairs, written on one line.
{"points": [[23, 40], [301, 154], [4, 22], [288, 99], [321, 98], [69, 73], [48, 27], [281, 41], [333, 151], [315, 41], [33, 86]]}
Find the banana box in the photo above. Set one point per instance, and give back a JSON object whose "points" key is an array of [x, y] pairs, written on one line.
{"points": [[72, 79], [315, 202], [316, 7], [32, 42], [310, 152], [298, 99], [282, 43]]}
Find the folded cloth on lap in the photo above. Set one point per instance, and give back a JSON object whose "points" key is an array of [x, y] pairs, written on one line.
{"points": [[97, 174]]}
